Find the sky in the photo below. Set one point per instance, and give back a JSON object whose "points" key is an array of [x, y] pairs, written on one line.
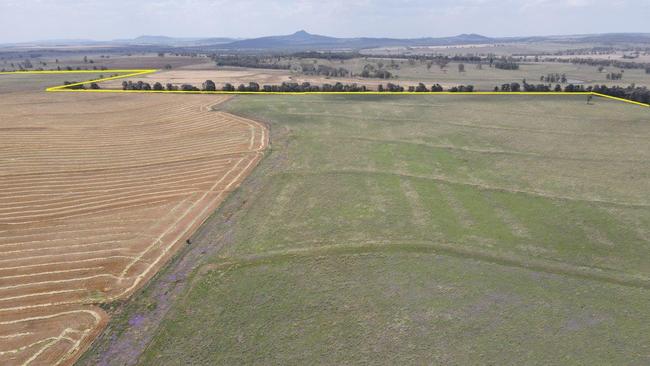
{"points": [[29, 20]]}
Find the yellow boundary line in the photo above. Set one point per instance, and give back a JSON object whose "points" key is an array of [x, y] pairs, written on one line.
{"points": [[130, 73]]}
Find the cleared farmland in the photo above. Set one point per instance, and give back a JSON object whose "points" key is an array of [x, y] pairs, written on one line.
{"points": [[96, 193], [421, 230], [484, 79]]}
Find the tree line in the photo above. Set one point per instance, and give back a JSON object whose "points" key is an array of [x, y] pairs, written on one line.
{"points": [[639, 94], [632, 92], [506, 65], [525, 87], [635, 93], [326, 55], [615, 75], [324, 70], [602, 63], [21, 67], [80, 86], [554, 78], [254, 62], [370, 71], [287, 87]]}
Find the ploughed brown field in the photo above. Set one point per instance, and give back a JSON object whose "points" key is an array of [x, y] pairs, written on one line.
{"points": [[96, 193]]}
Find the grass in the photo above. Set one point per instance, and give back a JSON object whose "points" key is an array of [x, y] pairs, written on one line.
{"points": [[445, 230], [399, 308]]}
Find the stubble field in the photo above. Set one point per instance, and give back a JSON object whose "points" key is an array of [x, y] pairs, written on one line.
{"points": [[97, 192]]}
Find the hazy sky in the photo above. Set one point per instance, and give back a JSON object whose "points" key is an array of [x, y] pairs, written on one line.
{"points": [[25, 20]]}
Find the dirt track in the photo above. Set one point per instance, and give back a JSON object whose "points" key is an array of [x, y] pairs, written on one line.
{"points": [[96, 193]]}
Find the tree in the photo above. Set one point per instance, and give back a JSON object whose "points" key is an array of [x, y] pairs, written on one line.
{"points": [[615, 76], [442, 63], [94, 86], [157, 86], [228, 87], [140, 85], [462, 89], [80, 86], [209, 85], [421, 88], [394, 88], [461, 67], [638, 94], [188, 87], [506, 65]]}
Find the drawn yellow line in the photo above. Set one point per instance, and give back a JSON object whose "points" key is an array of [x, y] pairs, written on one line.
{"points": [[126, 74], [137, 72], [620, 99]]}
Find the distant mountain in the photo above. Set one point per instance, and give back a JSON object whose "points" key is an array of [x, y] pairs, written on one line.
{"points": [[304, 40], [155, 40], [611, 38], [54, 43], [67, 41], [296, 40], [145, 40], [173, 41]]}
